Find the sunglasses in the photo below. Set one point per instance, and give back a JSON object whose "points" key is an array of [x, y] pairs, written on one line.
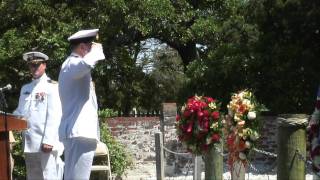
{"points": [[34, 64]]}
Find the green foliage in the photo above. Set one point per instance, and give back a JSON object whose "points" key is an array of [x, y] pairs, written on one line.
{"points": [[286, 72], [165, 80], [223, 67], [120, 158], [270, 46], [19, 170], [105, 113]]}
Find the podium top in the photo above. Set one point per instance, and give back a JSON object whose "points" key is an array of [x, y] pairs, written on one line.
{"points": [[13, 122]]}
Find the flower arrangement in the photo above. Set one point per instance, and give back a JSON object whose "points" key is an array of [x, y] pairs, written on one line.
{"points": [[313, 143], [242, 126], [199, 124]]}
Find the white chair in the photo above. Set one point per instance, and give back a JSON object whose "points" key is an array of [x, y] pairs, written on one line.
{"points": [[102, 150]]}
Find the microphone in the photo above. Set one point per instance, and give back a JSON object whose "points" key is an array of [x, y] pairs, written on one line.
{"points": [[7, 87]]}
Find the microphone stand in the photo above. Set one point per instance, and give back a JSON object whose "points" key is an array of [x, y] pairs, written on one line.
{"points": [[4, 107]]}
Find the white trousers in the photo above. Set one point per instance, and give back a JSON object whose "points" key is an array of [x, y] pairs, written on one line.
{"points": [[78, 156], [44, 166]]}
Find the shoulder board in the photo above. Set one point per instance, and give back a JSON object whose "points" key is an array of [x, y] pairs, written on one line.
{"points": [[52, 81]]}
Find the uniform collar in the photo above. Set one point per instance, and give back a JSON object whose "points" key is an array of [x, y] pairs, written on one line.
{"points": [[75, 54], [44, 77]]}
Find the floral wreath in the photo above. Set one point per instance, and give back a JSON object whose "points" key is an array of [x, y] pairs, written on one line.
{"points": [[313, 143], [199, 124], [242, 126]]}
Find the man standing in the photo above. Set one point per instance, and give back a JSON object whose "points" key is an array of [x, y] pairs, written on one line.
{"points": [[40, 105], [79, 124]]}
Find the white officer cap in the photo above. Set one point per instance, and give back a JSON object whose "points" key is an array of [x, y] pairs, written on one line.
{"points": [[34, 56], [83, 35]]}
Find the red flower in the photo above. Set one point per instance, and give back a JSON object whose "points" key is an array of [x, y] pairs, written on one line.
{"points": [[242, 145], [215, 115], [193, 125], [200, 114], [203, 105], [205, 125], [178, 118], [189, 127], [215, 137], [209, 99], [230, 140], [205, 113], [242, 108], [186, 113]]}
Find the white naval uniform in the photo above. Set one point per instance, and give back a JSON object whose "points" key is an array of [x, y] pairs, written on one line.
{"points": [[40, 105], [79, 128]]}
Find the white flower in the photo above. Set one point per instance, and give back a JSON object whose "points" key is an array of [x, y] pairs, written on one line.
{"points": [[241, 123], [230, 112], [248, 144], [254, 136], [183, 108], [252, 115], [237, 117], [246, 102], [242, 156]]}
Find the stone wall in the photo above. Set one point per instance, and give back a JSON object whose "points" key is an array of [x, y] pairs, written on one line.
{"points": [[137, 134], [268, 140]]}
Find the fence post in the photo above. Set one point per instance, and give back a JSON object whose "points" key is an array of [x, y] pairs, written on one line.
{"points": [[214, 163], [291, 137], [159, 156], [197, 167]]}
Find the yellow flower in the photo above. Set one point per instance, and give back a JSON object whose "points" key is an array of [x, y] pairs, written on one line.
{"points": [[212, 105], [214, 125]]}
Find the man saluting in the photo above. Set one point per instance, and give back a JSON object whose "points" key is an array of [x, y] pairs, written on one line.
{"points": [[79, 124]]}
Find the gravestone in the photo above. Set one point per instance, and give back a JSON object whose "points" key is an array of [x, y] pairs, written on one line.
{"points": [[167, 127]]}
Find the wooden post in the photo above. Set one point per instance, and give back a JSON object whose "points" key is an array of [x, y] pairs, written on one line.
{"points": [[214, 164], [291, 137], [159, 156], [197, 167]]}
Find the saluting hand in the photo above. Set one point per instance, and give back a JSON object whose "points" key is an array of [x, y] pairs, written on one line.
{"points": [[46, 148]]}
